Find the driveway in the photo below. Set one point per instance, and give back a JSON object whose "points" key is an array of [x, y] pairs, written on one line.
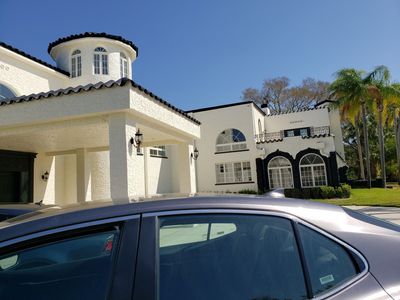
{"points": [[391, 214]]}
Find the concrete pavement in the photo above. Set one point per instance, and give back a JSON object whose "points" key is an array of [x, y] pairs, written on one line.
{"points": [[391, 214]]}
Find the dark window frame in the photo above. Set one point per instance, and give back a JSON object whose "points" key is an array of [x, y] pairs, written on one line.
{"points": [[122, 273], [296, 131]]}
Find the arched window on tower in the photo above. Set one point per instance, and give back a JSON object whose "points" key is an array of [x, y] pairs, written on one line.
{"points": [[5, 93], [123, 65], [76, 64], [100, 62]]}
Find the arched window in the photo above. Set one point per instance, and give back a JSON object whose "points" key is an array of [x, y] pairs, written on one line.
{"points": [[231, 140], [123, 65], [312, 170], [5, 93], [100, 61], [280, 173], [76, 64], [259, 127]]}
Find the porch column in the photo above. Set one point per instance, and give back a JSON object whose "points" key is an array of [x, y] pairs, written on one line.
{"points": [[126, 167], [83, 188], [186, 167]]}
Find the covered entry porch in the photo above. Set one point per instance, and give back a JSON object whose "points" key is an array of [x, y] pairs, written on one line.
{"points": [[82, 140]]}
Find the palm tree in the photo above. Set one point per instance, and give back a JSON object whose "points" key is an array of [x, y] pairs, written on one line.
{"points": [[351, 92], [394, 118], [383, 95]]}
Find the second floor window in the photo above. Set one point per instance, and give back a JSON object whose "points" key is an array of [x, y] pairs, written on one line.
{"points": [[123, 66], [76, 64], [231, 140], [100, 61]]}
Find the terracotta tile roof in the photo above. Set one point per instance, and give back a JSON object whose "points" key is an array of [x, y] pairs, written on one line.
{"points": [[270, 141], [95, 35], [97, 86], [316, 136], [26, 55]]}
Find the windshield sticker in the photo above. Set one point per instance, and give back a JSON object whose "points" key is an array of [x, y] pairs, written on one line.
{"points": [[326, 279]]}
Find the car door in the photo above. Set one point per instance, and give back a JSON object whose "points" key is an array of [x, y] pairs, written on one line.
{"points": [[93, 260], [243, 254]]}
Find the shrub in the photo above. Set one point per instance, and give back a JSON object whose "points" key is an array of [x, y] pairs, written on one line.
{"points": [[247, 191], [315, 193], [307, 193], [327, 192], [339, 192], [346, 190]]}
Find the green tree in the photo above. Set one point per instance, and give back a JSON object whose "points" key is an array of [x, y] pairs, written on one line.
{"points": [[351, 93], [383, 94]]}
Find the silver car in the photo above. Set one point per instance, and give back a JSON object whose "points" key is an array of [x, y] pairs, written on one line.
{"points": [[200, 248]]}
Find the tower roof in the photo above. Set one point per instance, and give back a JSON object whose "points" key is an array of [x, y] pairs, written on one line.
{"points": [[94, 35]]}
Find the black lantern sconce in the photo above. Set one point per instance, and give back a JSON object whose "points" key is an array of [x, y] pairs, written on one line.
{"points": [[45, 176], [195, 154], [137, 140]]}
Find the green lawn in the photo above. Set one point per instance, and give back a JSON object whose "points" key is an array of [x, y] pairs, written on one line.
{"points": [[373, 197]]}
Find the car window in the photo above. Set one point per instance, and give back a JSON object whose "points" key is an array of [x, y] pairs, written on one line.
{"points": [[191, 233], [329, 263], [243, 257], [74, 268]]}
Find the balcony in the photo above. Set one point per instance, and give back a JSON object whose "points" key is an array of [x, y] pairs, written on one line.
{"points": [[268, 137]]}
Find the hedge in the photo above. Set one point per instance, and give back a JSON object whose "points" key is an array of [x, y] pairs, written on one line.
{"points": [[322, 192]]}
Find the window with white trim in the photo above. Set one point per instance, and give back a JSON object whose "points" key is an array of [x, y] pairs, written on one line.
{"points": [[100, 61], [280, 173], [231, 140], [312, 171], [233, 172], [76, 64], [158, 151], [123, 65]]}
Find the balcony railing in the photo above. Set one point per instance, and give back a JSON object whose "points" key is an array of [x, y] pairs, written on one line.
{"points": [[279, 135], [321, 130], [268, 136]]}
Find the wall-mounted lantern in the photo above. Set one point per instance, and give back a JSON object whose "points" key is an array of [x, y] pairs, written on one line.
{"points": [[137, 140], [45, 176], [195, 154]]}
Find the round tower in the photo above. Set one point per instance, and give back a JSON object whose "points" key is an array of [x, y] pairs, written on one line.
{"points": [[93, 57]]}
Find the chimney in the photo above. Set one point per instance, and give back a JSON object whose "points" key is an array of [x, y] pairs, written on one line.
{"points": [[265, 108]]}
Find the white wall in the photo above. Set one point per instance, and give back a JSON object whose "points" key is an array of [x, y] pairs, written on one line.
{"points": [[213, 122], [294, 145], [315, 118], [159, 174], [24, 76], [336, 130]]}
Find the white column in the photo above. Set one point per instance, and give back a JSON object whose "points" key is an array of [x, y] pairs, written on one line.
{"points": [[186, 168], [83, 188], [126, 167]]}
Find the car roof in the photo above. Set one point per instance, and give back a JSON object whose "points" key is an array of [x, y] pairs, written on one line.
{"points": [[59, 216]]}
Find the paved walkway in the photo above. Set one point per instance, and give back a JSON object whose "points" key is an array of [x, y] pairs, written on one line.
{"points": [[391, 214]]}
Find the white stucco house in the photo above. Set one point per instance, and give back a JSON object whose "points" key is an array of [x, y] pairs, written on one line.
{"points": [[68, 133], [83, 130], [244, 147]]}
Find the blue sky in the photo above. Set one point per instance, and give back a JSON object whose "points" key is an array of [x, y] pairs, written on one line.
{"points": [[197, 53]]}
